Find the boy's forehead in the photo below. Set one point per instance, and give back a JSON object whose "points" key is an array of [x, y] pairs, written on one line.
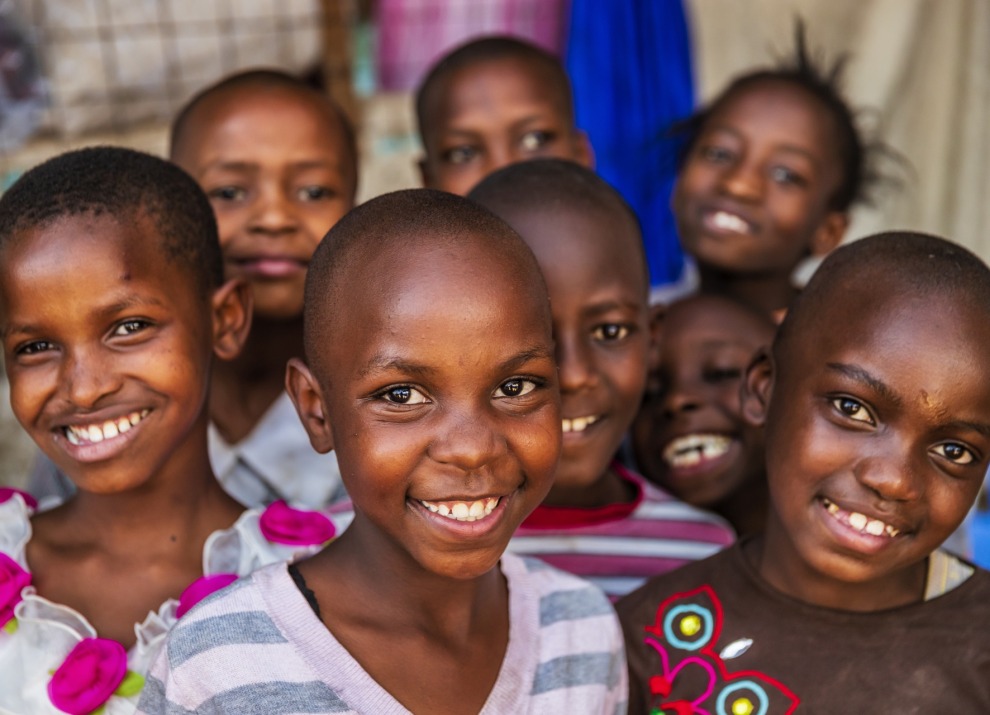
{"points": [[473, 83]]}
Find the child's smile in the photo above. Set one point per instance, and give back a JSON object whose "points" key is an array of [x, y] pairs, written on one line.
{"points": [[108, 357], [877, 440], [442, 402]]}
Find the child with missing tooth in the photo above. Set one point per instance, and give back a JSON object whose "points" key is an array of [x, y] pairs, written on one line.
{"points": [[109, 361], [444, 410], [689, 436], [600, 520], [491, 102], [770, 170], [278, 161], [875, 398]]}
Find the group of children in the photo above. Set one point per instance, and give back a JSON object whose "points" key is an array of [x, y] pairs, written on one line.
{"points": [[379, 468]]}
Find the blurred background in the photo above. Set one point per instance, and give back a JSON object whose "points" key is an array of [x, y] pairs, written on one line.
{"points": [[83, 72]]}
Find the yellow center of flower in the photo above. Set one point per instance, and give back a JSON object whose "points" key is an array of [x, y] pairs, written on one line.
{"points": [[690, 625]]}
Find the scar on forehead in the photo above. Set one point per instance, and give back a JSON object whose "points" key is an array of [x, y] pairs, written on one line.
{"points": [[932, 406]]}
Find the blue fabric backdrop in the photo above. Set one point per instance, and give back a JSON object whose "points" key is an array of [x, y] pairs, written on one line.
{"points": [[630, 63]]}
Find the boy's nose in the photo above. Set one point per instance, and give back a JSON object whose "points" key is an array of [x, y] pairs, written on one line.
{"points": [[467, 440], [677, 397], [87, 377], [742, 180], [274, 212], [892, 477], [575, 366]]}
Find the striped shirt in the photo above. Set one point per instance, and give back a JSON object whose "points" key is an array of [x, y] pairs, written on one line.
{"points": [[258, 647], [619, 546]]}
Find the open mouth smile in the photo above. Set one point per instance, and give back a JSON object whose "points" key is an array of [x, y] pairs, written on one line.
{"points": [[694, 449], [578, 424], [727, 222], [463, 510], [81, 435], [860, 522]]}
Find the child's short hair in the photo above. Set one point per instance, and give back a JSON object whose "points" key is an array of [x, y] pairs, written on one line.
{"points": [[262, 78], [921, 264], [555, 184], [375, 226], [824, 82], [488, 49], [120, 182]]}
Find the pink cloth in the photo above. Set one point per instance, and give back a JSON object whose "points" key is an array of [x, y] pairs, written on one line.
{"points": [[413, 34]]}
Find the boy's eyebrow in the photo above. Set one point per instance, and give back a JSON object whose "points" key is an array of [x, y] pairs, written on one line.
{"points": [[609, 305], [791, 148], [385, 361], [858, 374], [980, 427], [111, 309], [251, 166]]}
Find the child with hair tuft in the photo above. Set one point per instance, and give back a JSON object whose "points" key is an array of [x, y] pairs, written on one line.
{"points": [[770, 170], [109, 359], [491, 102], [444, 411], [600, 520], [875, 397]]}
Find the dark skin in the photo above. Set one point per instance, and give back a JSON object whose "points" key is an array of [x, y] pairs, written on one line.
{"points": [[753, 198], [880, 416], [99, 342], [690, 437], [463, 407], [275, 194], [604, 340]]}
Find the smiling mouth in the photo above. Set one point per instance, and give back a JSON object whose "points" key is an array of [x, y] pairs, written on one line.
{"points": [[578, 424], [693, 449], [463, 510], [860, 522], [729, 222], [97, 432]]}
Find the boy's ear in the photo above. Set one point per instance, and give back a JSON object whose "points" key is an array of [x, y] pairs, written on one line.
{"points": [[584, 153], [830, 233], [305, 393], [233, 305], [757, 388]]}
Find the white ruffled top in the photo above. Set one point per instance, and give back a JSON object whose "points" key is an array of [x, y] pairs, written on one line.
{"points": [[46, 632]]}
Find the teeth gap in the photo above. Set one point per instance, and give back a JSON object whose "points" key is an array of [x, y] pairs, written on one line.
{"points": [[463, 511], [861, 522]]}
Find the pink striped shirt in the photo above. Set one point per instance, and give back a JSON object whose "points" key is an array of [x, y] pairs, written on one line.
{"points": [[619, 546]]}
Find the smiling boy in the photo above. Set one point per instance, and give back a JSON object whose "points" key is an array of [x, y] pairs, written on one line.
{"points": [[492, 102], [444, 411], [876, 403]]}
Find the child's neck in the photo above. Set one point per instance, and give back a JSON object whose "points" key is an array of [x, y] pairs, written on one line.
{"points": [[242, 390], [769, 292], [783, 568], [609, 489]]}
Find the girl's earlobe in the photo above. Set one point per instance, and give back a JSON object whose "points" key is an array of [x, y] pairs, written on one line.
{"points": [[233, 304], [757, 388], [306, 395]]}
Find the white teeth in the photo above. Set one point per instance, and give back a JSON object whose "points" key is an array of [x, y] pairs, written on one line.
{"points": [[861, 522], [729, 222], [875, 527], [464, 511], [96, 433], [578, 424], [692, 449]]}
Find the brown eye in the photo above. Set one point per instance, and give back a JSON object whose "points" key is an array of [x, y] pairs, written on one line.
{"points": [[403, 395], [516, 387], [610, 332], [853, 409], [955, 453]]}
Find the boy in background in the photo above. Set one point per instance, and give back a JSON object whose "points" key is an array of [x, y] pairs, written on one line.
{"points": [[600, 520], [492, 102]]}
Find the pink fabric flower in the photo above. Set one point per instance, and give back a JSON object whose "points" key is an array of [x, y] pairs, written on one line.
{"points": [[201, 588], [13, 579], [7, 493], [87, 678], [281, 524]]}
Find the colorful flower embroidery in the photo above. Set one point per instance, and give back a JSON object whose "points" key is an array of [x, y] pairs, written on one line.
{"points": [[13, 579], [684, 635], [281, 524], [201, 588], [94, 670]]}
